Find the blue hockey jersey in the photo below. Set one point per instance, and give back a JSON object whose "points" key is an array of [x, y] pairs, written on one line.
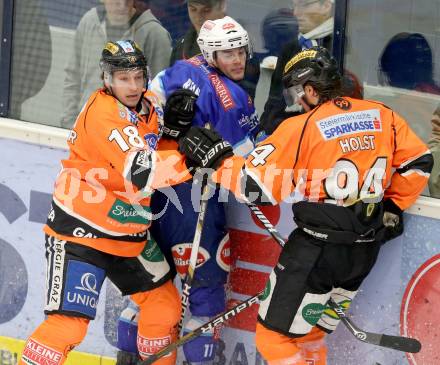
{"points": [[221, 101]]}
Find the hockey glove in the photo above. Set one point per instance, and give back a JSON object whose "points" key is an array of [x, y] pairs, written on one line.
{"points": [[392, 220], [204, 148], [179, 112]]}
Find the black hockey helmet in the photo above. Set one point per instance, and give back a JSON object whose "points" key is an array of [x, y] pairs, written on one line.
{"points": [[123, 56], [311, 65], [314, 66]]}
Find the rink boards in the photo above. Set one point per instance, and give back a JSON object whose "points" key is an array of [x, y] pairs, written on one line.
{"points": [[399, 297]]}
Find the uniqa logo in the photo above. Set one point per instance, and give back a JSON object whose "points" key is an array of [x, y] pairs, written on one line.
{"points": [[86, 300], [88, 283]]}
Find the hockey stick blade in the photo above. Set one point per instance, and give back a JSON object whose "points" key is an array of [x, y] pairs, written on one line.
{"points": [[398, 343], [220, 319]]}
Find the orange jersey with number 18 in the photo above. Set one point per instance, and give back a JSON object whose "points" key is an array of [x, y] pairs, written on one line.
{"points": [[342, 151], [102, 194]]}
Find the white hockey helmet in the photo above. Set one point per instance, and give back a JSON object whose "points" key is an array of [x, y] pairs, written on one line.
{"points": [[222, 34]]}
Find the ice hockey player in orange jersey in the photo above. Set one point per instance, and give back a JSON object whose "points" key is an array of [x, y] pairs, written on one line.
{"points": [[98, 222], [357, 164]]}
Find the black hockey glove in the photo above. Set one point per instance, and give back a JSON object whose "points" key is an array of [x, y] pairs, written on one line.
{"points": [[179, 112], [392, 220], [204, 148]]}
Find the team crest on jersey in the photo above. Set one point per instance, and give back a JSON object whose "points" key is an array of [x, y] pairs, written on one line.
{"points": [[151, 139], [350, 123], [181, 254], [223, 256], [342, 103]]}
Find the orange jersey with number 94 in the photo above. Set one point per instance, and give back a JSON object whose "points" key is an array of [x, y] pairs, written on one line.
{"points": [[343, 151]]}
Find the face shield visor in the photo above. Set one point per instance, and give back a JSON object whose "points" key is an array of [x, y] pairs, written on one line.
{"points": [[126, 78], [124, 75], [293, 94]]}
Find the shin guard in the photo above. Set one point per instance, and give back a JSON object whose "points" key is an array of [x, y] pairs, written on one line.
{"points": [[53, 340], [158, 318]]}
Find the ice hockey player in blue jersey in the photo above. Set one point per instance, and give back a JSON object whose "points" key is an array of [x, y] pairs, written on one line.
{"points": [[200, 90]]}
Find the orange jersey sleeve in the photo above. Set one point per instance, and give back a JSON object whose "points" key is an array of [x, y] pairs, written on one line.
{"points": [[270, 165], [102, 194], [128, 142], [412, 162], [343, 151]]}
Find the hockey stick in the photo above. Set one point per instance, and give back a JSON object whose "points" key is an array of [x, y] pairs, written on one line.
{"points": [[398, 343], [186, 287], [207, 327], [266, 223]]}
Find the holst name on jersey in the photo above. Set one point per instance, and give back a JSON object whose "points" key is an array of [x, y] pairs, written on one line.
{"points": [[358, 143]]}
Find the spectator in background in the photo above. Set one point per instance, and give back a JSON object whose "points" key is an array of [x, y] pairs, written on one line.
{"points": [[406, 62], [279, 27], [187, 47], [172, 14], [434, 145], [198, 11], [32, 53], [315, 22], [112, 20]]}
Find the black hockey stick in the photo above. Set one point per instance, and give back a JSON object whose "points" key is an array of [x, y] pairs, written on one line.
{"points": [[186, 287], [207, 327], [403, 343], [398, 343]]}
